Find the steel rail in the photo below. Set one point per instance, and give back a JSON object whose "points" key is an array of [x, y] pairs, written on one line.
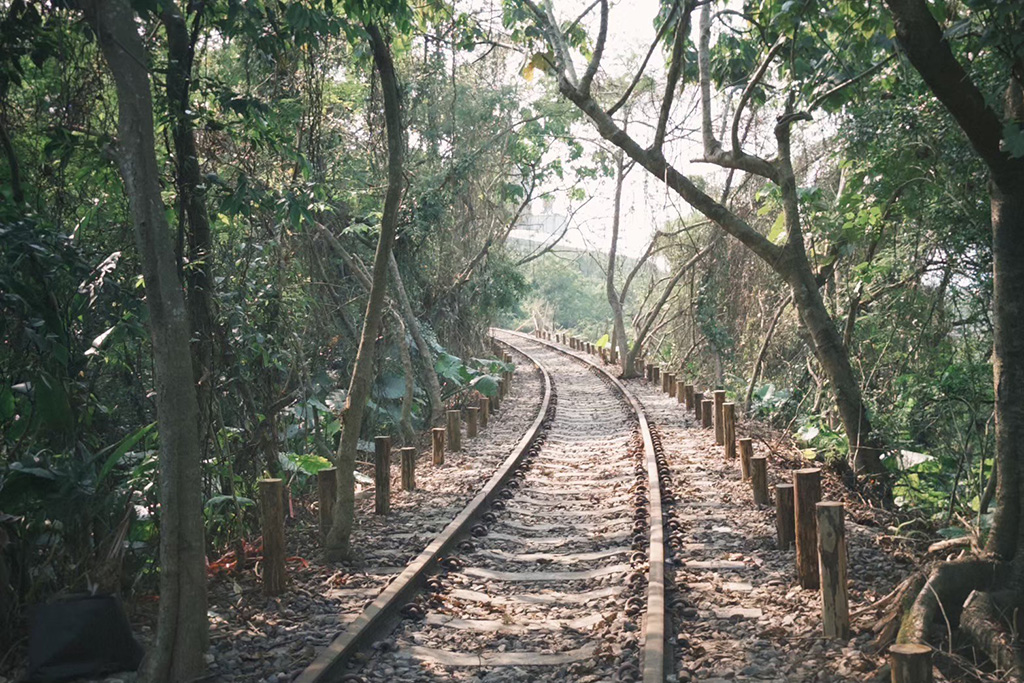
{"points": [[381, 615], [655, 648]]}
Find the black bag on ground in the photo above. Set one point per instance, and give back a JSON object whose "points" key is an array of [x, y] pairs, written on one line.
{"points": [[81, 636]]}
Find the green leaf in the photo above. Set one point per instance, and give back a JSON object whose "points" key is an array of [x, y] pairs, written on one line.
{"points": [[486, 385], [126, 445], [777, 235], [218, 501]]}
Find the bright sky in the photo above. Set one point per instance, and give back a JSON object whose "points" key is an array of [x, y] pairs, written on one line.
{"points": [[646, 205]]}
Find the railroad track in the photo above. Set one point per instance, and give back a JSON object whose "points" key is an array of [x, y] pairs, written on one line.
{"points": [[555, 571]]}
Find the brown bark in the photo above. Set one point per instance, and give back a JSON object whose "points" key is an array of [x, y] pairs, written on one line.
{"points": [[619, 331], [426, 357], [193, 218], [362, 374], [182, 630]]}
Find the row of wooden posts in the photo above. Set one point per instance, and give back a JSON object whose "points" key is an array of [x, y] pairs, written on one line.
{"points": [[815, 527], [272, 490]]}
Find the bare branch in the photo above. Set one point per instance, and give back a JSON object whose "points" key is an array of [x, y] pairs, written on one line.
{"points": [[595, 60], [675, 70], [748, 91], [848, 82], [643, 66]]}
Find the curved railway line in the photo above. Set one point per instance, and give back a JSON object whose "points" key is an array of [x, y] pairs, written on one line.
{"points": [[554, 571]]}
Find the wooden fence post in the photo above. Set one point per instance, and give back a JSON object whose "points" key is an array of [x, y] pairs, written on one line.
{"points": [[496, 399], [807, 494], [688, 396], [382, 474], [719, 427], [408, 468], [746, 453], [709, 408], [664, 382], [672, 385], [910, 663], [327, 492], [437, 444], [835, 608], [485, 411], [759, 479], [454, 431], [784, 522], [471, 420], [272, 521], [729, 420], [680, 392], [698, 404]]}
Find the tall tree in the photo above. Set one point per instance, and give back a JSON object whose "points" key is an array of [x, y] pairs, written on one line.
{"points": [[789, 259], [997, 139], [362, 374], [181, 639]]}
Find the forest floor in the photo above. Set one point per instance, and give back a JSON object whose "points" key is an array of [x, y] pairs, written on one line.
{"points": [[745, 618]]}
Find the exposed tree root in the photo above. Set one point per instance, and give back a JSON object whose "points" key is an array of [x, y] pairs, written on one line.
{"points": [[991, 621], [942, 598]]}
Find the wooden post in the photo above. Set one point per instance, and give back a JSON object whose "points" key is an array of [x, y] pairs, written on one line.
{"points": [[272, 521], [485, 411], [454, 431], [729, 420], [910, 663], [408, 468], [657, 373], [671, 384], [382, 475], [688, 396], [327, 491], [664, 381], [471, 413], [784, 522], [759, 479], [719, 427], [680, 392], [698, 405], [807, 494], [746, 453], [835, 608], [437, 444], [496, 399], [709, 407]]}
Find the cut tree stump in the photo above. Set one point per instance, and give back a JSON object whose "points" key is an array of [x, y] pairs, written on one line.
{"points": [[437, 445], [807, 494], [785, 524], [719, 427], [835, 607], [729, 427], [759, 480], [454, 434], [709, 408], [746, 453], [408, 468], [327, 492], [382, 474], [911, 663], [272, 522]]}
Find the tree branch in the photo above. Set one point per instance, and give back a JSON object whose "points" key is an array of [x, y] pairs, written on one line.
{"points": [[595, 60]]}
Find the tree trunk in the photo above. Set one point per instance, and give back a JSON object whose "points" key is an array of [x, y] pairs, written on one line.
{"points": [[1007, 538], [181, 639], [619, 333], [192, 214], [426, 357], [362, 373], [405, 424]]}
